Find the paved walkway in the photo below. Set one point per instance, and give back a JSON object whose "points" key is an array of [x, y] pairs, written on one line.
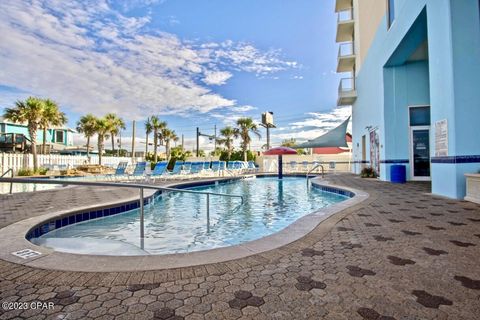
{"points": [[402, 254]]}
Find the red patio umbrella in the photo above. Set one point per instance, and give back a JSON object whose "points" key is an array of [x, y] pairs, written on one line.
{"points": [[280, 151]]}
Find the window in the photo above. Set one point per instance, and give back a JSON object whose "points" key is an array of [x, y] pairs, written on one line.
{"points": [[390, 12], [59, 136], [420, 116]]}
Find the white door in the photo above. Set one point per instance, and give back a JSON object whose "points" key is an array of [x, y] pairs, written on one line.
{"points": [[420, 152]]}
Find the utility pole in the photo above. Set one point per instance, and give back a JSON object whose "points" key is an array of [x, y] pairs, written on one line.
{"points": [[267, 122], [133, 141], [215, 139], [198, 142]]}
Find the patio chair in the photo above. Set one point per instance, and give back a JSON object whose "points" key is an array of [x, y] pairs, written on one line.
{"points": [[159, 170], [120, 171], [187, 166], [140, 170], [305, 166], [252, 167], [293, 166], [196, 169], [175, 173]]}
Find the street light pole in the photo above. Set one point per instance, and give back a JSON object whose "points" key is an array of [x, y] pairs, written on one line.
{"points": [[198, 142]]}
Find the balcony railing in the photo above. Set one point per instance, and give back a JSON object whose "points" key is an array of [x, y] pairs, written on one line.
{"points": [[345, 15], [346, 49], [346, 85]]}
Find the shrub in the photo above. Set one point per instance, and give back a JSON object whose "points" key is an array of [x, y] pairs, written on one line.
{"points": [[24, 172], [42, 171], [368, 172], [237, 156]]}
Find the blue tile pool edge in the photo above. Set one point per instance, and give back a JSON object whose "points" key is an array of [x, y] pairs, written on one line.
{"points": [[101, 212]]}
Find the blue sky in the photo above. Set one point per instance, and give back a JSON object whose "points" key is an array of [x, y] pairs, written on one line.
{"points": [[193, 62]]}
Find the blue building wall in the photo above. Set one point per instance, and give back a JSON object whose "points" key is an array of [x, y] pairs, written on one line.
{"points": [[18, 128], [388, 83]]}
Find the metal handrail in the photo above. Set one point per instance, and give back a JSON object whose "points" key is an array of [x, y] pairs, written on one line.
{"points": [[315, 167], [11, 183], [124, 185]]}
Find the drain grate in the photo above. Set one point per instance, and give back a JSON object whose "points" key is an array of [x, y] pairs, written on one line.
{"points": [[26, 254]]}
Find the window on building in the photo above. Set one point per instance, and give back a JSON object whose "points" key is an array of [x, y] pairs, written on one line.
{"points": [[390, 12], [420, 116], [59, 136]]}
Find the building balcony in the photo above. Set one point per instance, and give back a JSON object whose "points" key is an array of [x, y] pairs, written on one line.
{"points": [[345, 25], [347, 93], [341, 5], [346, 57]]}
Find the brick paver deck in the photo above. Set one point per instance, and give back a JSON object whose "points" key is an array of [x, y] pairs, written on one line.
{"points": [[402, 254]]}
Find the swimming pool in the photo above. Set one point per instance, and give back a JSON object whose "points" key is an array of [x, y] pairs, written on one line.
{"points": [[177, 222], [26, 187]]}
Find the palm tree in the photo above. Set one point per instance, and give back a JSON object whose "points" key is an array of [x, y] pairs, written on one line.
{"points": [[31, 112], [51, 116], [87, 125], [245, 126], [116, 124], [228, 134], [168, 135], [148, 130], [157, 126], [103, 127]]}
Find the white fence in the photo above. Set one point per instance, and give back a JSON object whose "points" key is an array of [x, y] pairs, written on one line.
{"points": [[331, 163], [24, 161]]}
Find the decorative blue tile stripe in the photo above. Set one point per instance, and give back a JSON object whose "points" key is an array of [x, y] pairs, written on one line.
{"points": [[61, 222], [456, 159], [342, 192], [390, 161]]}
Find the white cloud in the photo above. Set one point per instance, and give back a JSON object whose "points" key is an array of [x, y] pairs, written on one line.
{"points": [[91, 58], [216, 77], [244, 108]]}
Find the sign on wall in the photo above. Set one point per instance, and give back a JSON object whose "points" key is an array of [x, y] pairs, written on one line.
{"points": [[441, 138], [375, 151]]}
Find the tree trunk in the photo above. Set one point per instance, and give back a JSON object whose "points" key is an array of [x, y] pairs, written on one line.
{"points": [[88, 148], [155, 141], [146, 146], [167, 149], [100, 148], [44, 146], [113, 144], [32, 131]]}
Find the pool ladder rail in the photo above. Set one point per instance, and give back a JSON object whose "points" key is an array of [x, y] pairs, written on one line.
{"points": [[315, 167], [141, 188], [11, 183]]}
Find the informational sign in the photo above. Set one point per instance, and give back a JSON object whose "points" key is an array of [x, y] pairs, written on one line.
{"points": [[375, 151], [267, 119], [441, 138]]}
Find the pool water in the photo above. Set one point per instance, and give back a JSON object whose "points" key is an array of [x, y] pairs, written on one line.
{"points": [[26, 187], [177, 222]]}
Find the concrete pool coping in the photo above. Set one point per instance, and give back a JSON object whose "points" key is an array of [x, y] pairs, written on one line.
{"points": [[12, 239]]}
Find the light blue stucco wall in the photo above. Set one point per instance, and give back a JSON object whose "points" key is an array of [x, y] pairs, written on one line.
{"points": [[448, 82], [21, 129], [404, 86]]}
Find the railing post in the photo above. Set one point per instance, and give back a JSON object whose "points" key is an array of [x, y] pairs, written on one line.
{"points": [[208, 212], [11, 183], [142, 225]]}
